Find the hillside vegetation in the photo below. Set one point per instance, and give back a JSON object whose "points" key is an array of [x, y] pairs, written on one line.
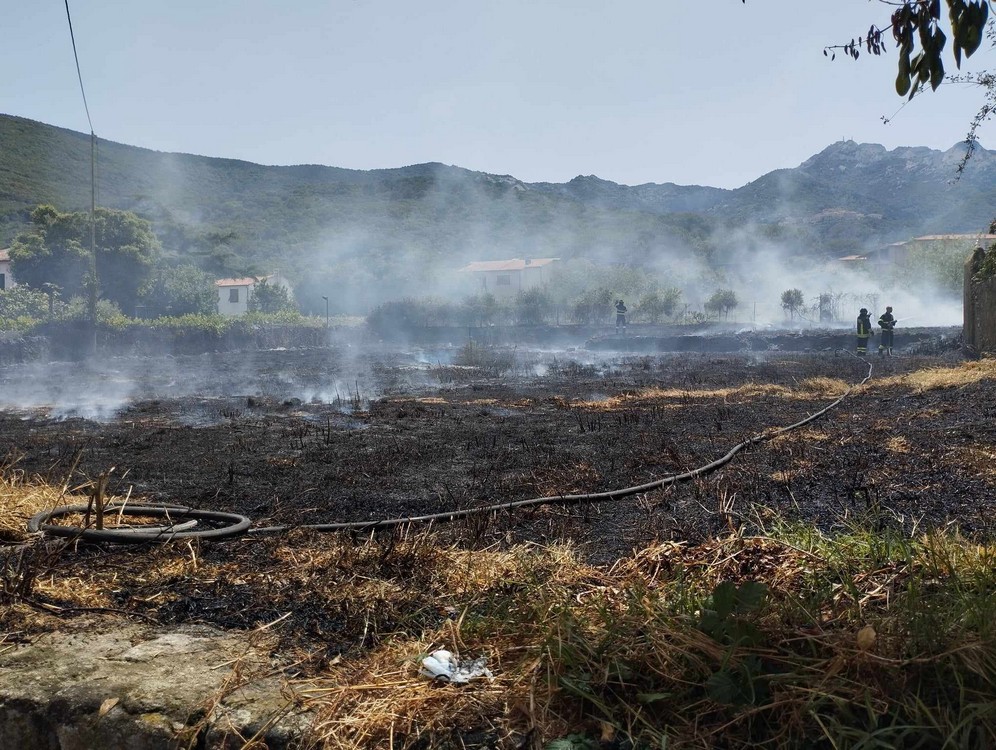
{"points": [[397, 229]]}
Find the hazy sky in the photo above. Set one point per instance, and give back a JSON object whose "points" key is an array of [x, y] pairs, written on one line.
{"points": [[711, 93]]}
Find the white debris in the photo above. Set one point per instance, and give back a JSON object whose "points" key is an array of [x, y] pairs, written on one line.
{"points": [[444, 666]]}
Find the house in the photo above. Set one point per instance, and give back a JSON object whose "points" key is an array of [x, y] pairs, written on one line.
{"points": [[897, 253], [234, 294], [506, 278], [6, 278]]}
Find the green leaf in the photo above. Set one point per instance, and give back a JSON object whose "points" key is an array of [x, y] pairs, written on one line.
{"points": [[573, 742], [647, 698], [723, 688], [724, 598], [936, 73], [751, 595]]}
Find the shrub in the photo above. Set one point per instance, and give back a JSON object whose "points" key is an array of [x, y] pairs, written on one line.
{"points": [[654, 306], [533, 307]]}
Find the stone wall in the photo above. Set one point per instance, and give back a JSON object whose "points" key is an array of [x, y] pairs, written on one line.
{"points": [[980, 307]]}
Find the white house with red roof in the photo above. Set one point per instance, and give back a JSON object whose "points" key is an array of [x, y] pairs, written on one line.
{"points": [[234, 294], [6, 277], [507, 278]]}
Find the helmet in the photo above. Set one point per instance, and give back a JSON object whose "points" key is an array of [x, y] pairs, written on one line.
{"points": [[864, 311], [889, 308]]}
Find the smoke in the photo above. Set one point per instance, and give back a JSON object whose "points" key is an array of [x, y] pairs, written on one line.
{"points": [[759, 271], [215, 384], [443, 218]]}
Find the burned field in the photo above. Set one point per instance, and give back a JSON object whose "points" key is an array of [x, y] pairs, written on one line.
{"points": [[316, 436], [407, 439]]}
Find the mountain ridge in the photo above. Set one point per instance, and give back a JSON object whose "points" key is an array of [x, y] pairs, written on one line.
{"points": [[228, 214]]}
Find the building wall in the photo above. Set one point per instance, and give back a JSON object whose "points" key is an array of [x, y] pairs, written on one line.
{"points": [[502, 284], [227, 307], [6, 277], [507, 284]]}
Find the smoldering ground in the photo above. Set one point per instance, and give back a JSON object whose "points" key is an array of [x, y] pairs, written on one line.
{"points": [[441, 436]]}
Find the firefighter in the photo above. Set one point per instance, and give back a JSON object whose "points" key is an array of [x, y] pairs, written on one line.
{"points": [[620, 315], [864, 331], [887, 323]]}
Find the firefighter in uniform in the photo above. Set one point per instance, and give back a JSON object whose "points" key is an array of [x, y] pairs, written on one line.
{"points": [[887, 323], [620, 315], [864, 331]]}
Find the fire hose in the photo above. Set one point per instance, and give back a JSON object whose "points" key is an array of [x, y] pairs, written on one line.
{"points": [[181, 522]]}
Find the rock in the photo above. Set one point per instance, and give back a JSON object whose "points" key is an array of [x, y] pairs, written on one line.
{"points": [[136, 687]]}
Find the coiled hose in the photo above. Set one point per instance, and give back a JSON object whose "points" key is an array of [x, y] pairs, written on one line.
{"points": [[229, 525]]}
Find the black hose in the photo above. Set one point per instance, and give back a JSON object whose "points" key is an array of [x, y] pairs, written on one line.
{"points": [[239, 525], [235, 525]]}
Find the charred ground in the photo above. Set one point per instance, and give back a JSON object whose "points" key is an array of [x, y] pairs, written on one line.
{"points": [[386, 434], [441, 437]]}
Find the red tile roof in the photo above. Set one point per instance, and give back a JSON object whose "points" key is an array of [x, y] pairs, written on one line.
{"points": [[935, 237], [246, 281], [515, 264]]}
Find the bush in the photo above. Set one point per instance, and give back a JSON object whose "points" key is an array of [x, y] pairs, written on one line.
{"points": [[407, 315], [491, 360], [533, 307], [271, 298], [21, 308], [654, 306], [482, 310], [109, 315], [183, 290], [593, 306]]}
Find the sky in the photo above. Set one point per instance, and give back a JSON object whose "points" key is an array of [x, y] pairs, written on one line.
{"points": [[697, 93]]}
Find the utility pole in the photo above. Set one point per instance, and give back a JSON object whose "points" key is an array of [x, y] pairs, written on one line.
{"points": [[326, 310], [93, 238]]}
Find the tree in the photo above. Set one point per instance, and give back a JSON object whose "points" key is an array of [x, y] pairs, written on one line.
{"points": [[480, 310], [23, 302], [56, 250], [658, 304], [792, 301], [721, 302], [183, 290], [593, 306], [533, 306], [271, 298]]}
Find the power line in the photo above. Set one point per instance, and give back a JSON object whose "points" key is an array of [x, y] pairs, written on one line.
{"points": [[92, 295], [78, 73]]}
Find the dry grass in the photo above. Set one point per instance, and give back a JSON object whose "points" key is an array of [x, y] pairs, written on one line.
{"points": [[897, 444], [629, 653], [802, 435], [810, 388], [979, 459], [645, 652], [934, 378], [20, 499]]}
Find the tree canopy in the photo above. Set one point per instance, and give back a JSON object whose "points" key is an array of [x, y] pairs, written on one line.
{"points": [[56, 250], [181, 290], [271, 298], [792, 301], [721, 302]]}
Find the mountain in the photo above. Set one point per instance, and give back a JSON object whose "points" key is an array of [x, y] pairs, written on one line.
{"points": [[399, 228]]}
